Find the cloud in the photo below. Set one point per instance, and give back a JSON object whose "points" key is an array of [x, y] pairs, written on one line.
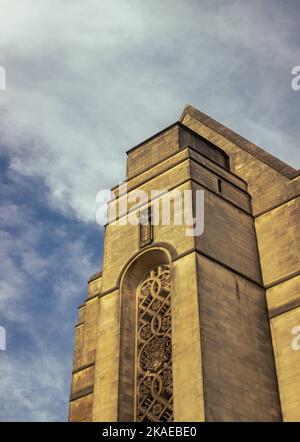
{"points": [[87, 81], [34, 253], [14, 251], [45, 263], [33, 386]]}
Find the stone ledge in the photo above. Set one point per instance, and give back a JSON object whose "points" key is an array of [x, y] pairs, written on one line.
{"points": [[95, 276], [83, 367], [84, 392], [276, 311], [243, 143]]}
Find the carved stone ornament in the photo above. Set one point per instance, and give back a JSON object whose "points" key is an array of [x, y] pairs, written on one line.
{"points": [[154, 386]]}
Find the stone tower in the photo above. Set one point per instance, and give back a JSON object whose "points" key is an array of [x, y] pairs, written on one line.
{"points": [[203, 327]]}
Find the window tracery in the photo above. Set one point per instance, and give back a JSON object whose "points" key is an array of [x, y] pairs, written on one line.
{"points": [[154, 383]]}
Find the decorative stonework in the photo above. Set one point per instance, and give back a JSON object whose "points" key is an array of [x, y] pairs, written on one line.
{"points": [[154, 386]]}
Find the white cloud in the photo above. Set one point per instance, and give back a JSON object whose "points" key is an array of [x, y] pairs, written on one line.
{"points": [[26, 263], [43, 274], [33, 387], [88, 80], [13, 252]]}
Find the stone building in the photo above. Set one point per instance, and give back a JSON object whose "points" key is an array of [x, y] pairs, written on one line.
{"points": [[196, 328]]}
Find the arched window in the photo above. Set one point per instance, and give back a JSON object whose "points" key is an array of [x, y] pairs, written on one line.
{"points": [[154, 386], [145, 390]]}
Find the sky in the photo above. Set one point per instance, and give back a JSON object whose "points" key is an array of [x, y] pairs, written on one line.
{"points": [[86, 81]]}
